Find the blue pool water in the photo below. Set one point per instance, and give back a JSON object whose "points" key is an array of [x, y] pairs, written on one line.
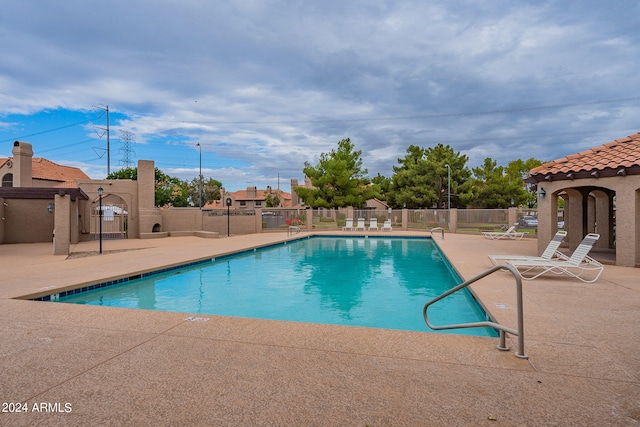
{"points": [[380, 282]]}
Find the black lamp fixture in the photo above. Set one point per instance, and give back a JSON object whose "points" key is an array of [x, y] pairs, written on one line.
{"points": [[542, 193], [50, 207]]}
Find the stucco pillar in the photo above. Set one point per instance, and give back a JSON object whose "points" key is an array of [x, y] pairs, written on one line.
{"points": [[309, 213], [453, 220], [601, 223], [512, 216], [547, 217], [2, 220], [146, 184], [627, 227], [258, 218], [62, 231], [575, 221], [405, 219]]}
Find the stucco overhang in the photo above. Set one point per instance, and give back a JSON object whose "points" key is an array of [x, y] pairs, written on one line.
{"points": [[41, 193]]}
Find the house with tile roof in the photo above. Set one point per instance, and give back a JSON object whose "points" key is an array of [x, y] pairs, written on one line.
{"points": [[35, 171], [251, 198], [601, 192]]}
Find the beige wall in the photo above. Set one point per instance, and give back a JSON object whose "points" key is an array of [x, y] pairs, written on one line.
{"points": [[27, 221], [193, 219]]}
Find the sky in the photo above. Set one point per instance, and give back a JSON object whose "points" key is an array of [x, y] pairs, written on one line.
{"points": [[265, 86]]}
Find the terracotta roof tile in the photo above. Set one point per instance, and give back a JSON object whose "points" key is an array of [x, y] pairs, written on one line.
{"points": [[621, 152], [47, 170]]}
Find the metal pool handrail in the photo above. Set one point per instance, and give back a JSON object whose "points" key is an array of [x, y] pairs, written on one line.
{"points": [[293, 229], [503, 329], [438, 228]]}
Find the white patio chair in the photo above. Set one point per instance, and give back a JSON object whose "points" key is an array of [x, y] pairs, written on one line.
{"points": [[360, 225], [511, 233], [373, 223], [550, 252], [348, 225], [386, 226], [577, 265]]}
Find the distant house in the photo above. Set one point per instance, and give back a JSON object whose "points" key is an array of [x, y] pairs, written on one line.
{"points": [[37, 172], [251, 198]]}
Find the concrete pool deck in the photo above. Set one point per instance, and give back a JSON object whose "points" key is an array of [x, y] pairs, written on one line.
{"points": [[85, 365]]}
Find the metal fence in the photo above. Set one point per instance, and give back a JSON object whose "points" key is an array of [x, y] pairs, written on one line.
{"points": [[480, 219], [278, 218], [428, 218]]}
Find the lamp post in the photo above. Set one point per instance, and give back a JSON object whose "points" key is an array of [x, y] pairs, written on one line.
{"points": [[449, 194], [100, 215], [200, 177], [228, 201]]}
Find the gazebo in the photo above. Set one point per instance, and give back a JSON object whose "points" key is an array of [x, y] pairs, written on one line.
{"points": [[601, 192]]}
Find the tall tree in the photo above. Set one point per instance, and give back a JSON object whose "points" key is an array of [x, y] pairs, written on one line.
{"points": [[422, 178], [338, 180], [495, 189], [170, 190], [210, 191], [519, 170]]}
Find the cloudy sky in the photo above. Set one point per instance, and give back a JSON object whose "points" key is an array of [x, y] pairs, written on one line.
{"points": [[264, 86]]}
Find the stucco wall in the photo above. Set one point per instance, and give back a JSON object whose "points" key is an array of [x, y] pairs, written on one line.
{"points": [[29, 221], [193, 219]]}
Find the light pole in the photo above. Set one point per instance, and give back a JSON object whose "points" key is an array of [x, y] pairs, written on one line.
{"points": [[228, 201], [200, 177], [100, 215], [449, 194]]}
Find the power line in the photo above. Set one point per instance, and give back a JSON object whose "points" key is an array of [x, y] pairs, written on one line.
{"points": [[17, 138], [413, 117]]}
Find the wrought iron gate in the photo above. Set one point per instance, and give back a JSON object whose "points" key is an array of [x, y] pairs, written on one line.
{"points": [[114, 222]]}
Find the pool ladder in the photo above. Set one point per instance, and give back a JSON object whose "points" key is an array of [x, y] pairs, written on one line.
{"points": [[503, 329], [293, 229], [437, 228]]}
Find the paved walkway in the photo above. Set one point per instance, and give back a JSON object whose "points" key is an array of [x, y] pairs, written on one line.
{"points": [[85, 365]]}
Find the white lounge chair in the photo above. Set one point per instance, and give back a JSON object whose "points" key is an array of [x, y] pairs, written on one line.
{"points": [[387, 225], [511, 233], [373, 223], [360, 225], [577, 265], [550, 252], [348, 225]]}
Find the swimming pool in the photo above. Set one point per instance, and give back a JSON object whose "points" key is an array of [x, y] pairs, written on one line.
{"points": [[380, 282]]}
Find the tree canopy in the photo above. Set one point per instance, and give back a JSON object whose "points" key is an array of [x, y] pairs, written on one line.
{"points": [[494, 188], [421, 180], [172, 191], [338, 179]]}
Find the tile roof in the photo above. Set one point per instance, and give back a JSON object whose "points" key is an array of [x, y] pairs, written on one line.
{"points": [[611, 157], [259, 195], [47, 170]]}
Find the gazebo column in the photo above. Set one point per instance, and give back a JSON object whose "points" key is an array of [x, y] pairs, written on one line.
{"points": [[574, 219], [547, 216], [627, 227], [602, 219]]}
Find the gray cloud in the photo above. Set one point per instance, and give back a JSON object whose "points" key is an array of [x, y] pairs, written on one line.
{"points": [[266, 86]]}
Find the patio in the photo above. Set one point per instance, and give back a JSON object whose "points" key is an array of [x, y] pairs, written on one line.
{"points": [[127, 367]]}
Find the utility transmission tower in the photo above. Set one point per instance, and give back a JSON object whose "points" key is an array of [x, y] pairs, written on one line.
{"points": [[127, 138], [101, 110]]}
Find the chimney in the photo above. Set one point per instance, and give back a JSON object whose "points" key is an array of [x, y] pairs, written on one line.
{"points": [[22, 159], [251, 192]]}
